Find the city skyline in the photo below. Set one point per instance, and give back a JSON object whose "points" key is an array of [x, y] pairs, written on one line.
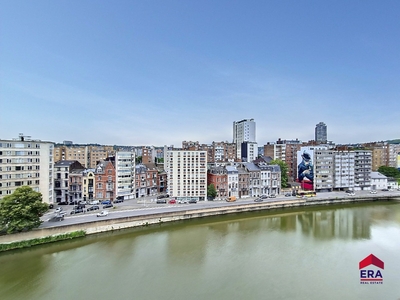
{"points": [[139, 73]]}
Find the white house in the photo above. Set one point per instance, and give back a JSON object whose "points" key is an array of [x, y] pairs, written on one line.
{"points": [[378, 181]]}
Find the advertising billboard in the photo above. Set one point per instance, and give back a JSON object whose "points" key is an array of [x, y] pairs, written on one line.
{"points": [[305, 168]]}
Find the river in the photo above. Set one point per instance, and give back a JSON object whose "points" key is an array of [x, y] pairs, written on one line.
{"points": [[308, 253]]}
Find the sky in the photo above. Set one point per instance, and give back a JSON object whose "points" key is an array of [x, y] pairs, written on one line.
{"points": [[158, 72]]}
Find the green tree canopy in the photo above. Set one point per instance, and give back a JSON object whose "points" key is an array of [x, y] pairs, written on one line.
{"points": [[389, 171], [21, 210], [211, 191], [284, 171]]}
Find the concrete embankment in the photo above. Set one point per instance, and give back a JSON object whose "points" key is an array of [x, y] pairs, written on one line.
{"points": [[157, 218]]}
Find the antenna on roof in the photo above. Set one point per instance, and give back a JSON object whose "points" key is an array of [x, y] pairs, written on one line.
{"points": [[22, 136]]}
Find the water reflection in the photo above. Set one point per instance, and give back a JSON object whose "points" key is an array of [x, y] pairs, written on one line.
{"points": [[201, 255]]}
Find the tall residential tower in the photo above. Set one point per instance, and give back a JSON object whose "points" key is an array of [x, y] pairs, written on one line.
{"points": [[243, 131], [321, 133]]}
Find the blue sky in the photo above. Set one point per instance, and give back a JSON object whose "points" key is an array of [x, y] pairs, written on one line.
{"points": [[160, 72]]}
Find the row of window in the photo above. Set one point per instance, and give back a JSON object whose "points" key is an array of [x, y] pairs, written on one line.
{"points": [[19, 145]]}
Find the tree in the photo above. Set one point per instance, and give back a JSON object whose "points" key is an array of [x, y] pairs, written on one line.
{"points": [[211, 191], [21, 210], [389, 171], [284, 171]]}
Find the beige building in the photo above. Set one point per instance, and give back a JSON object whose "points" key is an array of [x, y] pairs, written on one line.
{"points": [[27, 162], [88, 156]]}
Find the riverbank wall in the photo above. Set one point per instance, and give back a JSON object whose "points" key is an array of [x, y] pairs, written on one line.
{"points": [[105, 225]]}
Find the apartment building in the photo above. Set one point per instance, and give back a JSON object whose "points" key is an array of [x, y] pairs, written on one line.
{"points": [[243, 131], [63, 169], [105, 186], [146, 180], [125, 174], [344, 170], [75, 185], [324, 170], [249, 151], [24, 161], [186, 174], [233, 181], [362, 169], [88, 156], [89, 184], [217, 175]]}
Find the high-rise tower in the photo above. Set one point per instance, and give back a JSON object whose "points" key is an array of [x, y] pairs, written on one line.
{"points": [[243, 131], [321, 134]]}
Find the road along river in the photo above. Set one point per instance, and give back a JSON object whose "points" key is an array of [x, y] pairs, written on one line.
{"points": [[300, 253]]}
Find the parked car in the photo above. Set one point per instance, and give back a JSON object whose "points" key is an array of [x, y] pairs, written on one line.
{"points": [[82, 202], [161, 201], [288, 195], [51, 206], [118, 200], [172, 201], [63, 203], [106, 202], [272, 196], [94, 207], [258, 200], [162, 196], [182, 202], [351, 194], [263, 197], [107, 205], [94, 202], [192, 201], [103, 213], [73, 203], [77, 211], [385, 190], [80, 206]]}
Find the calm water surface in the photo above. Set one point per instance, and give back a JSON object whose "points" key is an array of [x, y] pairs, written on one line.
{"points": [[289, 254]]}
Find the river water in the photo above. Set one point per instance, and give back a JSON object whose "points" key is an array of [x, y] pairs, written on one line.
{"points": [[308, 253]]}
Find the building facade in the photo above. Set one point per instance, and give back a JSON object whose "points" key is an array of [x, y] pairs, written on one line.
{"points": [[321, 133], [243, 131], [186, 174], [24, 161]]}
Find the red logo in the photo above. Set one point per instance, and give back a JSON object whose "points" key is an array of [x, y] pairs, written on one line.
{"points": [[372, 276]]}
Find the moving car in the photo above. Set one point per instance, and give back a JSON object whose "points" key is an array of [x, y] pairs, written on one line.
{"points": [[272, 196], [231, 199], [103, 213], [94, 207], [107, 205], [58, 209], [373, 192], [385, 190], [288, 195], [118, 200], [77, 211], [258, 200]]}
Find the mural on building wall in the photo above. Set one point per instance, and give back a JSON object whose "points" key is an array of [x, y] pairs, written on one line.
{"points": [[398, 160], [305, 169]]}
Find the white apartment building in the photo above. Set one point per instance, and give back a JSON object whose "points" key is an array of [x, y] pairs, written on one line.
{"points": [[125, 174], [324, 170], [344, 170], [249, 151], [24, 161], [233, 180], [243, 131], [186, 174], [362, 170]]}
